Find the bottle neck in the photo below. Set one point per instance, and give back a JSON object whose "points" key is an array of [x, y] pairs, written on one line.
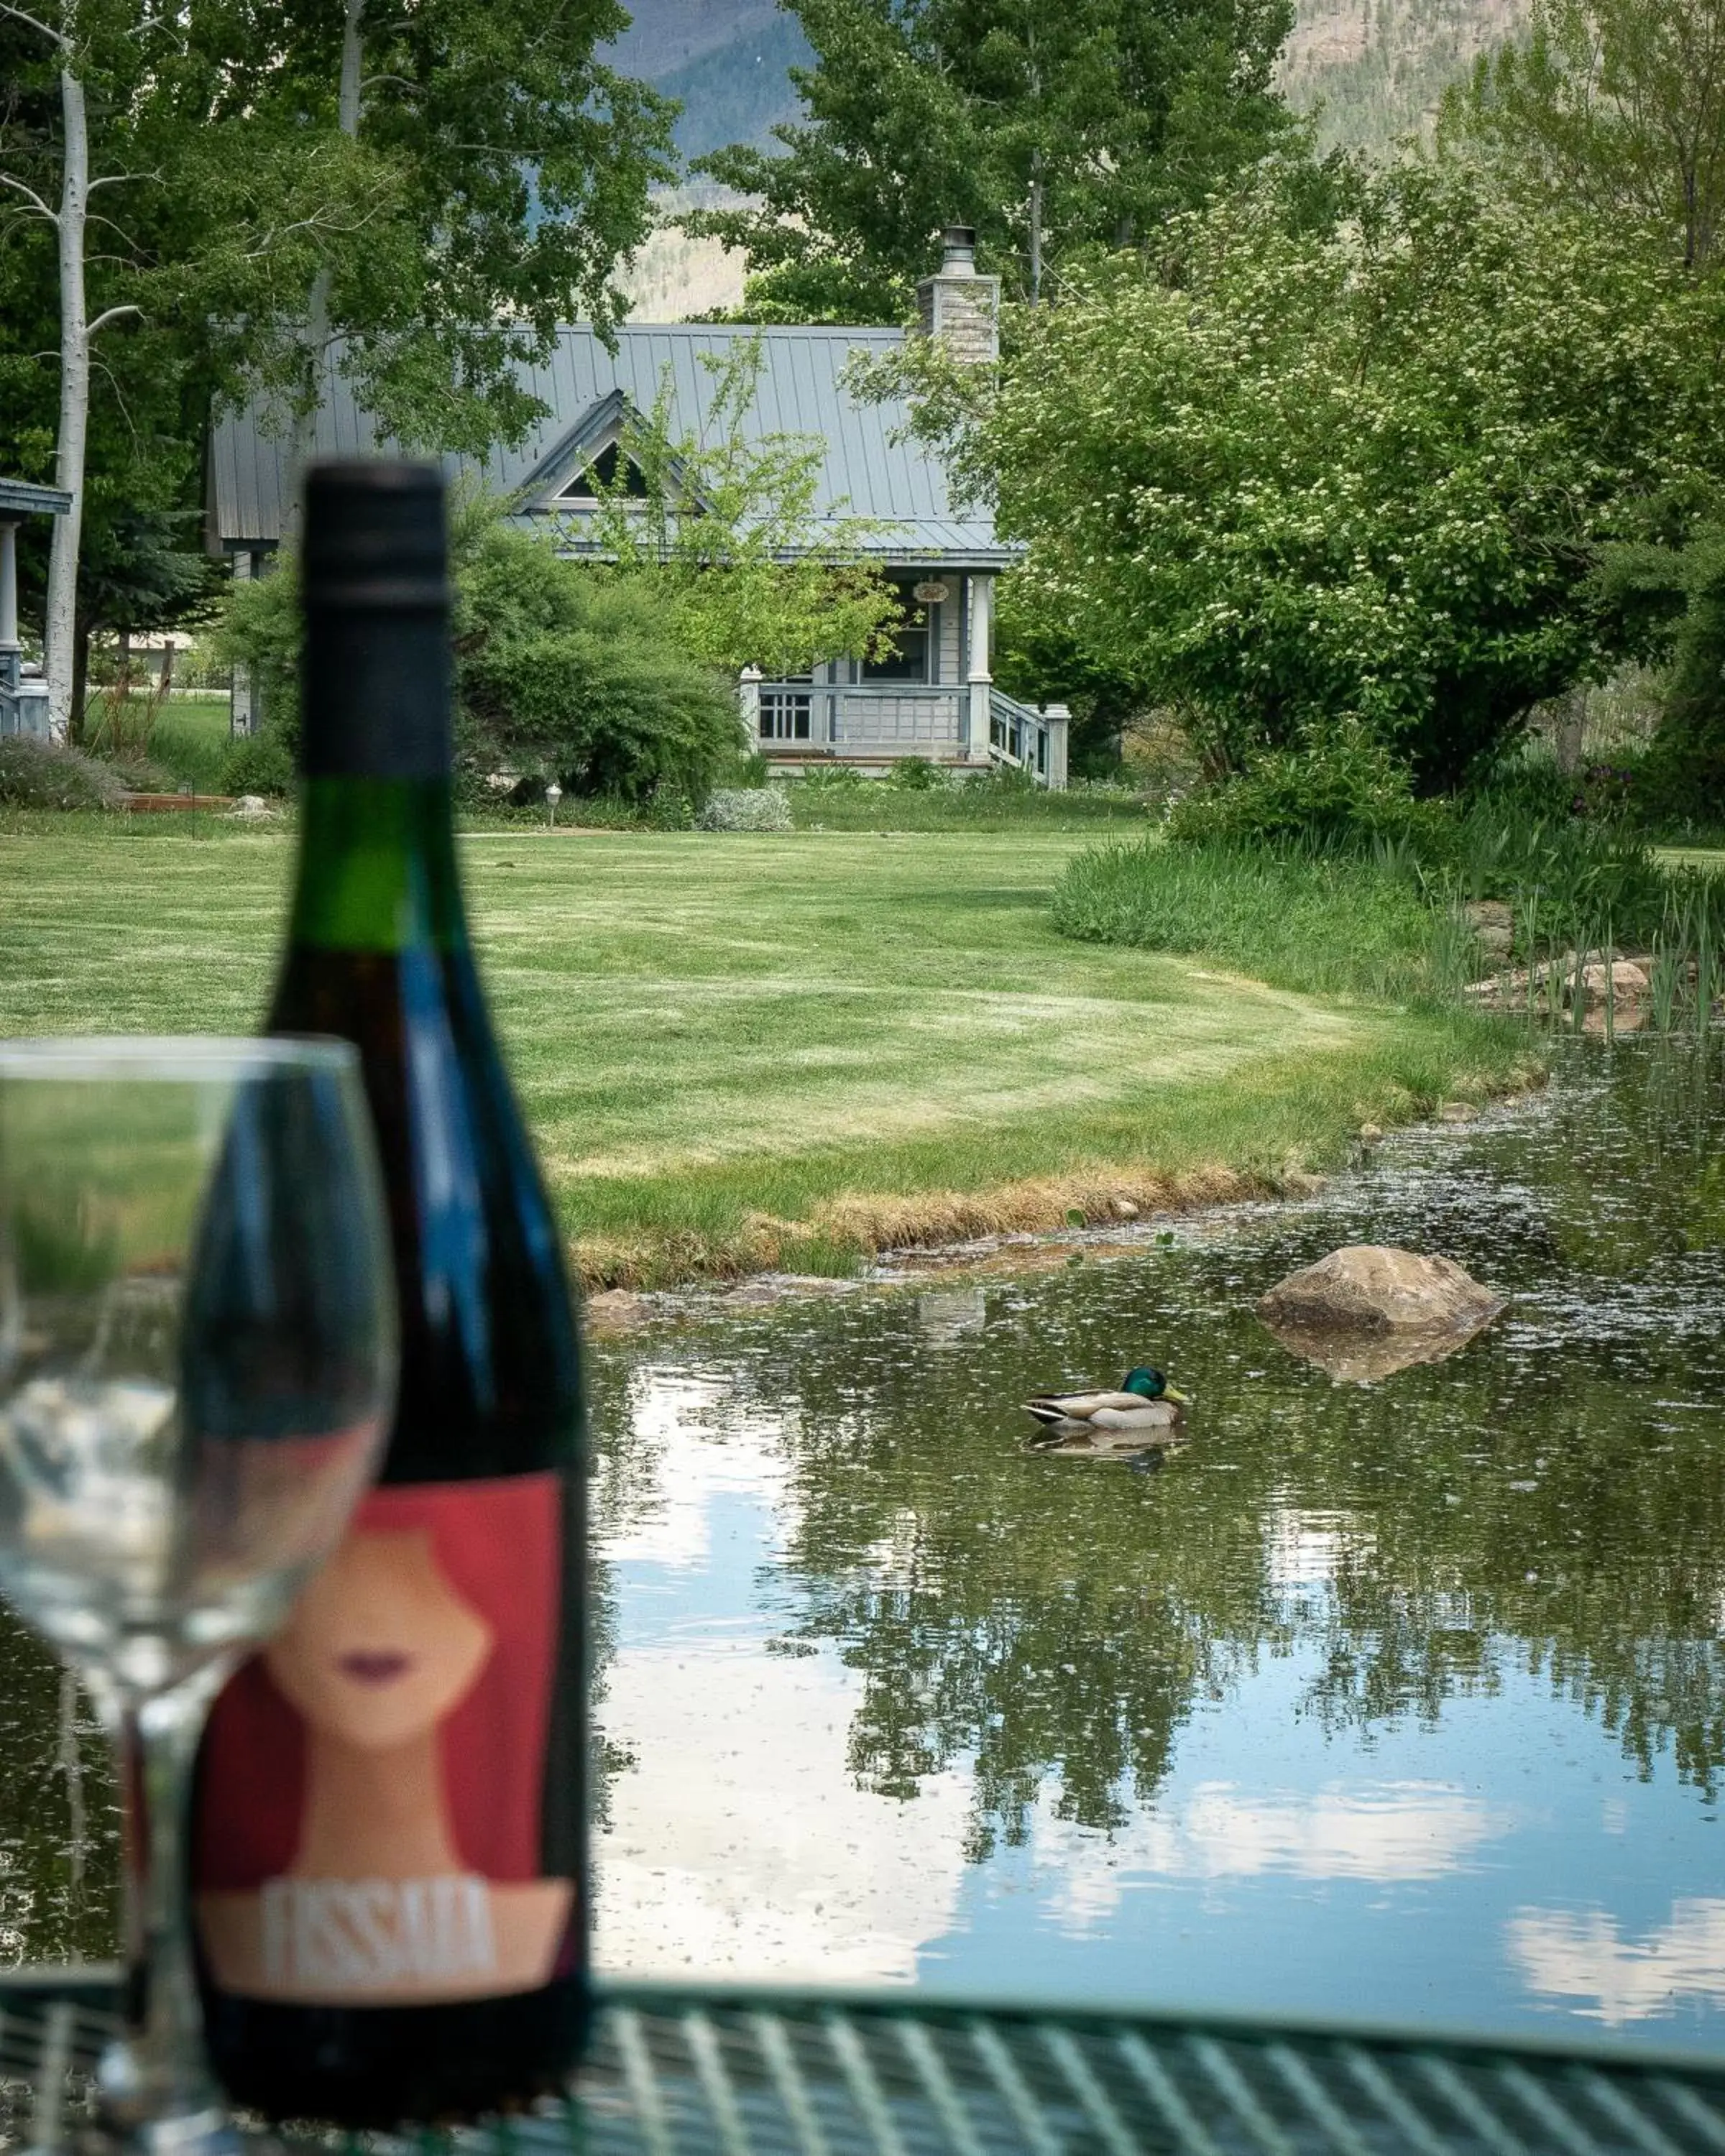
{"points": [[377, 866]]}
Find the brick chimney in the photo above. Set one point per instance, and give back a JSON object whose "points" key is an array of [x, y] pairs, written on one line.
{"points": [[959, 307]]}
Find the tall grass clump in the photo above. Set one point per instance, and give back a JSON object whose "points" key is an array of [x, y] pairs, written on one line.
{"points": [[1323, 923], [921, 796]]}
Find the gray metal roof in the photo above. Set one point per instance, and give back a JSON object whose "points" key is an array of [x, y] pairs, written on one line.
{"points": [[867, 472], [18, 497]]}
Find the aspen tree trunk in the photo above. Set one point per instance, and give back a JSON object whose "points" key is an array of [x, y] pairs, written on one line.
{"points": [[318, 333], [1035, 228], [60, 627]]}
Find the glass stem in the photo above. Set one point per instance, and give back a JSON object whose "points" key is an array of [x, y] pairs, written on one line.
{"points": [[157, 2075]]}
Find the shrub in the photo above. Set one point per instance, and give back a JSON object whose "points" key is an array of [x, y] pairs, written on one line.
{"points": [[43, 775], [916, 774], [1273, 468], [1343, 790], [561, 672], [568, 674], [754, 808], [262, 762]]}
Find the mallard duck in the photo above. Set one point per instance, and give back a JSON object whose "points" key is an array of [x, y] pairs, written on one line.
{"points": [[1145, 1407]]}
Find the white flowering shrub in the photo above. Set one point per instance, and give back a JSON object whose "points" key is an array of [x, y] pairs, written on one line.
{"points": [[757, 809], [1292, 470]]}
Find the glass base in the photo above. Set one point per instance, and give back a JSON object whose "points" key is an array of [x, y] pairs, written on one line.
{"points": [[134, 2118], [207, 2132]]}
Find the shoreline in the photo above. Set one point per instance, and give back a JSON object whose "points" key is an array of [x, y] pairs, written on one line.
{"points": [[1022, 1227]]}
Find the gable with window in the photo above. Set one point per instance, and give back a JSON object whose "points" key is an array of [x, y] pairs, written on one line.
{"points": [[599, 475]]}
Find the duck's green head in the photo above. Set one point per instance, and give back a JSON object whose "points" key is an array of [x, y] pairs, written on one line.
{"points": [[1149, 1384]]}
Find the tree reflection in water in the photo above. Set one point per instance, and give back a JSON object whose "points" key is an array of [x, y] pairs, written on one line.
{"points": [[1549, 1502]]}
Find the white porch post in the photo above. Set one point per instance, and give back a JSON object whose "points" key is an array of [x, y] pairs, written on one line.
{"points": [[1057, 719], [242, 702], [978, 642], [8, 606], [748, 702]]}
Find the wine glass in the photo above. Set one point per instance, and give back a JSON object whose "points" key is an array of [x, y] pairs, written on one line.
{"points": [[196, 1370]]}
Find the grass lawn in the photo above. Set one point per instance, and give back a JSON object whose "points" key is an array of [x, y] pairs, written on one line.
{"points": [[740, 1050]]}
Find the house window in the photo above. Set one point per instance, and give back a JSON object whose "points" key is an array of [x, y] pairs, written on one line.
{"points": [[908, 626], [602, 473], [785, 714]]}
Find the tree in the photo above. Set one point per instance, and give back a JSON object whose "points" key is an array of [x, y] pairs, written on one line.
{"points": [[721, 524], [1615, 104], [474, 174], [432, 194], [1305, 478], [56, 59], [1053, 126]]}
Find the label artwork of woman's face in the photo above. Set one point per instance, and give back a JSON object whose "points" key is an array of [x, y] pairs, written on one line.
{"points": [[379, 1647], [368, 1821]]}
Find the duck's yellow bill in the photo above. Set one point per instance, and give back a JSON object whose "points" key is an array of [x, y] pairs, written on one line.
{"points": [[1179, 1398]]}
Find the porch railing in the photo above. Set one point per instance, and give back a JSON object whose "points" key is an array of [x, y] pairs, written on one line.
{"points": [[888, 719], [1033, 740]]}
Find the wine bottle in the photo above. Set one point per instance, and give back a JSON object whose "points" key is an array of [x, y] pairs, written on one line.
{"points": [[388, 1834]]}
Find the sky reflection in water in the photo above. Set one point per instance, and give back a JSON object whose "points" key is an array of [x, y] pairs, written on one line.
{"points": [[1399, 1701]]}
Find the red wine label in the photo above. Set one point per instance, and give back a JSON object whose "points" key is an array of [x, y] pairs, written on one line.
{"points": [[369, 1821]]}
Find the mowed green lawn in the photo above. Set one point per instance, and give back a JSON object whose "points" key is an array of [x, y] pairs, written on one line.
{"points": [[741, 1051]]}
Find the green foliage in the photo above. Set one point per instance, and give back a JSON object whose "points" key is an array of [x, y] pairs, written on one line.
{"points": [[1339, 789], [567, 672], [478, 187], [258, 627], [1002, 798], [564, 670], [141, 568], [1039, 663], [916, 774], [1617, 106], [1053, 128], [1312, 923], [493, 173], [1523, 840], [1680, 782], [1359, 470], [191, 742], [829, 285], [724, 531], [43, 775], [262, 762]]}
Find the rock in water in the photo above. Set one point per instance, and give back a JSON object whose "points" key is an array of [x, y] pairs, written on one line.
{"points": [[1370, 1288]]}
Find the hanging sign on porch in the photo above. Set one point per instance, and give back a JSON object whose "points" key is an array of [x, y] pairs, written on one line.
{"points": [[929, 594]]}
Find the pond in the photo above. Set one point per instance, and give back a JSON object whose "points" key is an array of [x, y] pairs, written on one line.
{"points": [[1401, 1702]]}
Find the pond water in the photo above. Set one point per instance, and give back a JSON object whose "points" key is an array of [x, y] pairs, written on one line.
{"points": [[1401, 1702]]}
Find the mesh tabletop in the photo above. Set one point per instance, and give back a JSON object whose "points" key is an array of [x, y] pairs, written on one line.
{"points": [[767, 2073]]}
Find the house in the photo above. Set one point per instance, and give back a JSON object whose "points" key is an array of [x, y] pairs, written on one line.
{"points": [[933, 698], [23, 693]]}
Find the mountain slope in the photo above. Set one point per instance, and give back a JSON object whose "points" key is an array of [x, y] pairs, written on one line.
{"points": [[1372, 70]]}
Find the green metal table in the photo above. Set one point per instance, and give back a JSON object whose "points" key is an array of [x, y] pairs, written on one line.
{"points": [[744, 2072]]}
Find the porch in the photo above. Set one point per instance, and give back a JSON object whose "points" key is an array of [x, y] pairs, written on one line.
{"points": [[814, 724], [931, 694]]}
